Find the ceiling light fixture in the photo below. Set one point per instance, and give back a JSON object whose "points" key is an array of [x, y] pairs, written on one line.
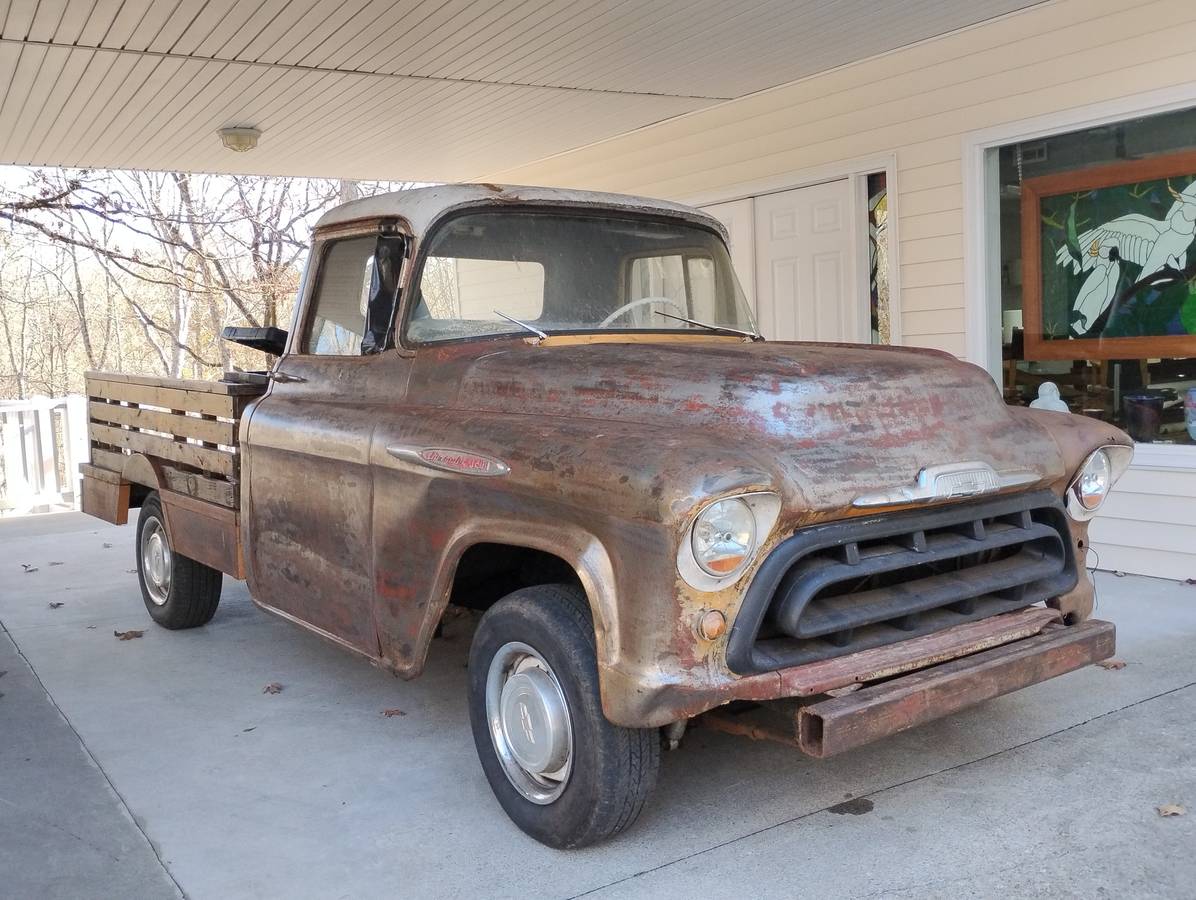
{"points": [[241, 140]]}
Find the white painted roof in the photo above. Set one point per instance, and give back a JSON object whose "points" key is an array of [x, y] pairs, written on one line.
{"points": [[421, 206]]}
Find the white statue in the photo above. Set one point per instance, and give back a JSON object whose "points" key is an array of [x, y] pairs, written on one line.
{"points": [[1048, 398], [1133, 238]]}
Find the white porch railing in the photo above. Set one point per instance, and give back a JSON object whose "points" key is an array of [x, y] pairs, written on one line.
{"points": [[42, 443]]}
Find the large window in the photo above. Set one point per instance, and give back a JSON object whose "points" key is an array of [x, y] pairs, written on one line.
{"points": [[1098, 273], [498, 273]]}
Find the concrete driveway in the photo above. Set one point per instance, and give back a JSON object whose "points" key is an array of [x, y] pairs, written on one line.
{"points": [[157, 767]]}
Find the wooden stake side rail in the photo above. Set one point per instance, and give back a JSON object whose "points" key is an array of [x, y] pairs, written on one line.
{"points": [[187, 428]]}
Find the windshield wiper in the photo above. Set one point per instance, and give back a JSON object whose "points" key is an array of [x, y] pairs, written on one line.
{"points": [[716, 328], [533, 329]]}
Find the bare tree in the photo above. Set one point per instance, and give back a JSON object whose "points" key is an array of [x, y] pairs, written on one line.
{"points": [[145, 268]]}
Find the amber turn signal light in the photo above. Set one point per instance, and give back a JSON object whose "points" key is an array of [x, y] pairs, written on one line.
{"points": [[712, 624]]}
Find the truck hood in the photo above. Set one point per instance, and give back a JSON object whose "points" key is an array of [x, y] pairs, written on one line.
{"points": [[830, 420]]}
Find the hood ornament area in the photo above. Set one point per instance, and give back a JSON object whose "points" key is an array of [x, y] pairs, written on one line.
{"points": [[948, 481]]}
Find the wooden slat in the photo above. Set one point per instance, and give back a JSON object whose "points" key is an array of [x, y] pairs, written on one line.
{"points": [[107, 466], [100, 473], [218, 461], [211, 430], [229, 388], [167, 398], [201, 487], [110, 460]]}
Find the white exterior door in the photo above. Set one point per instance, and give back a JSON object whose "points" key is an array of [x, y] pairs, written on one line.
{"points": [[806, 266], [739, 217]]}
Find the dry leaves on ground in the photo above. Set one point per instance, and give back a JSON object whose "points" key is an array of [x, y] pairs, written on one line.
{"points": [[29, 570], [272, 688], [391, 713], [1119, 574], [107, 546], [128, 635], [55, 563], [1113, 664], [56, 604], [1171, 809]]}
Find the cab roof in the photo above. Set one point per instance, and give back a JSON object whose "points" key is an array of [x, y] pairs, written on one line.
{"points": [[420, 207]]}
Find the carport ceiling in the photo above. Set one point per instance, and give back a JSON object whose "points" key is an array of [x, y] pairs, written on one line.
{"points": [[423, 89]]}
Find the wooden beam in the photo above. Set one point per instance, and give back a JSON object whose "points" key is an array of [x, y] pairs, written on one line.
{"points": [[202, 429], [220, 462]]}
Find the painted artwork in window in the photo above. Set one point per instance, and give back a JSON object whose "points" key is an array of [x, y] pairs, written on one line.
{"points": [[878, 256], [1109, 262]]}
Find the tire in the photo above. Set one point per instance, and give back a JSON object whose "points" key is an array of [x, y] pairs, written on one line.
{"points": [[610, 772], [178, 591]]}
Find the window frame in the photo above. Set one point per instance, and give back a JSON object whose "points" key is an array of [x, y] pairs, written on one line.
{"points": [[404, 342], [304, 334]]}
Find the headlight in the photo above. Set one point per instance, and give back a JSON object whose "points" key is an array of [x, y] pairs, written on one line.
{"points": [[724, 536], [1095, 479]]}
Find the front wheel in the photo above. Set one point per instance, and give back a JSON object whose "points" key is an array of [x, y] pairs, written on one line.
{"points": [[562, 772], [178, 591]]}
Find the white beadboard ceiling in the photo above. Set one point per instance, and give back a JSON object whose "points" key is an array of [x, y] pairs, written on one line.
{"points": [[427, 90]]}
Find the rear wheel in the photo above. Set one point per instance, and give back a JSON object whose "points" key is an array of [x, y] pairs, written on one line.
{"points": [[562, 772], [178, 591]]}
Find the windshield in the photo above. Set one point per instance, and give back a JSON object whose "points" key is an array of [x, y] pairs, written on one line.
{"points": [[502, 272]]}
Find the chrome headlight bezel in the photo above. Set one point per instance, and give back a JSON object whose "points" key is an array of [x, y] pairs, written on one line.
{"points": [[765, 507], [1117, 458]]}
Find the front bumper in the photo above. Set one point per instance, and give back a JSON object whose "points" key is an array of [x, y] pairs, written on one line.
{"points": [[876, 711]]}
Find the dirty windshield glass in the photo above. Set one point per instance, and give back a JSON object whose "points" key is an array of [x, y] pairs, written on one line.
{"points": [[566, 273]]}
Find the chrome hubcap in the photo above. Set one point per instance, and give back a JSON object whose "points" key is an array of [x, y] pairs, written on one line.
{"points": [[529, 722], [155, 561]]}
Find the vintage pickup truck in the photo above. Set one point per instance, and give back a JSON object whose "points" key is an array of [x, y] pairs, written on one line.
{"points": [[554, 408]]}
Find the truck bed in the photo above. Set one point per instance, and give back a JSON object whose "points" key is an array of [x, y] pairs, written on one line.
{"points": [[178, 437]]}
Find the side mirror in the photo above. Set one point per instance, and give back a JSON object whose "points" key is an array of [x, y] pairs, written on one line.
{"points": [[269, 340]]}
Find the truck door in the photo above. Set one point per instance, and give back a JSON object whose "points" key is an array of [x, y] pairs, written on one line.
{"points": [[308, 480]]}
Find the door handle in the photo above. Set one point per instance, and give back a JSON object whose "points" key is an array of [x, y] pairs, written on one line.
{"points": [[284, 378]]}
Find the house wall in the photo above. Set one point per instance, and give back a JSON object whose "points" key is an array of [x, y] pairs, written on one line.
{"points": [[918, 103]]}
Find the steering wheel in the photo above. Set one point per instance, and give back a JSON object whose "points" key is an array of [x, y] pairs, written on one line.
{"points": [[635, 304]]}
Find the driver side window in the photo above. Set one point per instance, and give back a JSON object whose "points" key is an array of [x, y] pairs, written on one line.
{"points": [[688, 281], [338, 313]]}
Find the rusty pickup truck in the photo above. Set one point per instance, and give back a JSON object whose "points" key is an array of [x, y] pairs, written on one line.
{"points": [[554, 408]]}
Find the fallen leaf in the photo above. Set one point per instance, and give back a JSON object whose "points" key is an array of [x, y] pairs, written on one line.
{"points": [[1119, 574], [29, 570], [272, 688], [1171, 809], [91, 627], [107, 546], [1190, 581], [249, 729], [131, 571], [391, 713], [56, 604], [128, 635], [56, 563], [1113, 664]]}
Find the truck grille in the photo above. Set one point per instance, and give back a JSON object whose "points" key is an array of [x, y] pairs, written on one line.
{"points": [[835, 589]]}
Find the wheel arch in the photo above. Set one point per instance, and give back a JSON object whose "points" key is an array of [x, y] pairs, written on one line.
{"points": [[582, 552]]}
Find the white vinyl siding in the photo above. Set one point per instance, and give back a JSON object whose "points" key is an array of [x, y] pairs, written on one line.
{"points": [[918, 103]]}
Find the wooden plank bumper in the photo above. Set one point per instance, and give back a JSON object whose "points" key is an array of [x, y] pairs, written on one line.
{"points": [[842, 723]]}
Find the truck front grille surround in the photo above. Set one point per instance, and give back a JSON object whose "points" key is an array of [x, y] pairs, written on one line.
{"points": [[838, 588]]}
